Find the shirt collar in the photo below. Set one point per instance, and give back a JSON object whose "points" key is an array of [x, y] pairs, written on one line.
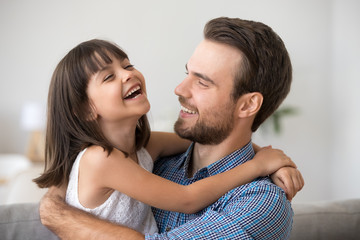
{"points": [[228, 162]]}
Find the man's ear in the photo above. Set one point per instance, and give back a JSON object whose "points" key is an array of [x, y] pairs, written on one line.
{"points": [[249, 104]]}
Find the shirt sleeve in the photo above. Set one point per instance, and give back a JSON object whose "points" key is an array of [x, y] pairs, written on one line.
{"points": [[261, 211]]}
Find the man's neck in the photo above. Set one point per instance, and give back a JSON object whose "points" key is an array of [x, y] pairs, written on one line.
{"points": [[204, 155]]}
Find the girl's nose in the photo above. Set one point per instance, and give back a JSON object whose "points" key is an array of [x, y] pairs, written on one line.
{"points": [[126, 75]]}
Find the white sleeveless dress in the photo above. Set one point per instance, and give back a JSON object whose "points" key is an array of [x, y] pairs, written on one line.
{"points": [[118, 208]]}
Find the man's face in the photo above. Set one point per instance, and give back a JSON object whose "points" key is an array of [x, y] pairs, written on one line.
{"points": [[207, 110]]}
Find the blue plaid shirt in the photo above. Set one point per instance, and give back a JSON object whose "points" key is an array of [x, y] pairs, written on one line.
{"points": [[257, 210]]}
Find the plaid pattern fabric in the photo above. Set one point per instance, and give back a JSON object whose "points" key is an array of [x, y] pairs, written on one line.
{"points": [[258, 210]]}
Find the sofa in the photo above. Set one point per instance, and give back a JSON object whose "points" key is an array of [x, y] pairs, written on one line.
{"points": [[330, 220]]}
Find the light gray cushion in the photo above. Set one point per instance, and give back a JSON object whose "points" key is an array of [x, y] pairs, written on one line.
{"points": [[327, 220], [22, 222], [321, 220]]}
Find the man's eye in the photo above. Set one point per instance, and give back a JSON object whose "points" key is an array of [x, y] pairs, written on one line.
{"points": [[202, 83], [187, 73]]}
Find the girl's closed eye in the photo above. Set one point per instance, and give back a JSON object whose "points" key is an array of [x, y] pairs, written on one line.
{"points": [[129, 67], [108, 77]]}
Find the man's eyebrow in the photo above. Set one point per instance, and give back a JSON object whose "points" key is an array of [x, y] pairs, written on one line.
{"points": [[202, 76]]}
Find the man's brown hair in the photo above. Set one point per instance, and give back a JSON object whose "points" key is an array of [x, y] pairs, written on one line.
{"points": [[266, 66]]}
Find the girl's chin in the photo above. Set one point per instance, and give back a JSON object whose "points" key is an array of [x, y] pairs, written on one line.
{"points": [[144, 110]]}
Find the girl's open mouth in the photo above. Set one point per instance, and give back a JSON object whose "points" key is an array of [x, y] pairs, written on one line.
{"points": [[133, 93]]}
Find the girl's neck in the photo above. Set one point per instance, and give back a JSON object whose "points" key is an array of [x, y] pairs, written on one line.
{"points": [[121, 135]]}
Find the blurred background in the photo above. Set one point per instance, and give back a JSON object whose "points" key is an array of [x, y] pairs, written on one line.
{"points": [[317, 125]]}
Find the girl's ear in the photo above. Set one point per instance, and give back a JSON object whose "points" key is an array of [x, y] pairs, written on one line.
{"points": [[92, 114], [249, 104]]}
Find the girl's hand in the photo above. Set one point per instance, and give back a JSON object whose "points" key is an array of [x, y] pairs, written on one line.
{"points": [[289, 179], [269, 160]]}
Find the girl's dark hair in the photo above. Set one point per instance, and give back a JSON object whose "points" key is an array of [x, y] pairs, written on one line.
{"points": [[69, 128], [265, 66]]}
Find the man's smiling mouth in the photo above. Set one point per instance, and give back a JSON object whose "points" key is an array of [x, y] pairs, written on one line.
{"points": [[186, 110]]}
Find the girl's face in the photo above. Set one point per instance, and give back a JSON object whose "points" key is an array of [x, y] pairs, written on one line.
{"points": [[117, 92]]}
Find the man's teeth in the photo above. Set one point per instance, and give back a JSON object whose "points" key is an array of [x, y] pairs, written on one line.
{"points": [[132, 91], [184, 109]]}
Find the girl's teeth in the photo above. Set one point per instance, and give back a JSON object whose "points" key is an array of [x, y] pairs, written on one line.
{"points": [[132, 91]]}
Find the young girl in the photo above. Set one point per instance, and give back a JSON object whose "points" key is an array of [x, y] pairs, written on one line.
{"points": [[98, 142]]}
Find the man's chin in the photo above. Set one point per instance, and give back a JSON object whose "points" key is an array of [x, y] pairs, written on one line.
{"points": [[182, 131]]}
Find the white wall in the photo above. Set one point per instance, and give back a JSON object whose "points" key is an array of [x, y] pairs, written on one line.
{"points": [[159, 35], [345, 100]]}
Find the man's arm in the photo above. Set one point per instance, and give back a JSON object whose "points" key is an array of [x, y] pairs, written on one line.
{"points": [[71, 223]]}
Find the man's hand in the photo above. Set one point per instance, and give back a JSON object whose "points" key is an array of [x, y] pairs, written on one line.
{"points": [[71, 223], [289, 179], [51, 205]]}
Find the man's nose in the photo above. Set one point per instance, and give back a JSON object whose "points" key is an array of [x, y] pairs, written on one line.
{"points": [[183, 89]]}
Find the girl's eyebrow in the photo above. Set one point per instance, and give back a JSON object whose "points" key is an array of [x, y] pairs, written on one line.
{"points": [[202, 76], [101, 70], [106, 67]]}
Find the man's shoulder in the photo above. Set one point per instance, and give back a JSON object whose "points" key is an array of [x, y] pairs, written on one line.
{"points": [[260, 193], [262, 205], [259, 186]]}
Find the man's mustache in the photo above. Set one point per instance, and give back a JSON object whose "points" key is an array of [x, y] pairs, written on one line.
{"points": [[186, 104]]}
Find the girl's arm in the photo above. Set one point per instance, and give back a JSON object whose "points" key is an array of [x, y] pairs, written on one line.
{"points": [[166, 144], [256, 147], [288, 178], [123, 174]]}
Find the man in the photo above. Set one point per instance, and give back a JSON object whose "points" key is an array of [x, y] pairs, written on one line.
{"points": [[237, 77]]}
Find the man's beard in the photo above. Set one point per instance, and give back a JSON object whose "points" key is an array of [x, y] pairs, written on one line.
{"points": [[212, 129]]}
